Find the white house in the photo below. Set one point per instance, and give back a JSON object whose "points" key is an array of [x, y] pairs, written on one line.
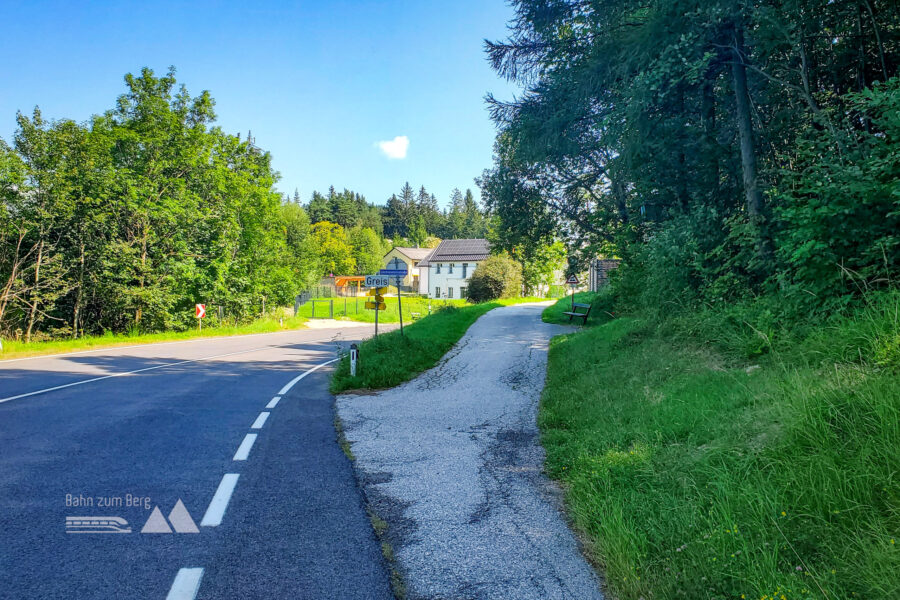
{"points": [[450, 267], [416, 278]]}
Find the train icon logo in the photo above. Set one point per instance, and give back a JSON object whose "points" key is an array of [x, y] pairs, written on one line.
{"points": [[97, 525]]}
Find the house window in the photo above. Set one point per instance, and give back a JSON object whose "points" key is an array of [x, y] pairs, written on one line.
{"points": [[450, 292], [437, 292], [438, 269], [465, 268], [450, 270], [463, 292]]}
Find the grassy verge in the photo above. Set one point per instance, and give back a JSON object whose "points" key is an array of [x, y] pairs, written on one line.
{"points": [[14, 349], [354, 309], [390, 359], [693, 473]]}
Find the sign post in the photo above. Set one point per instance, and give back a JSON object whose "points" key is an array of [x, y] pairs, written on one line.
{"points": [[400, 303], [396, 268], [573, 281], [378, 285], [200, 312]]}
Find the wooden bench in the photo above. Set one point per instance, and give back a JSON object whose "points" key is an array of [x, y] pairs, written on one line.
{"points": [[582, 315]]}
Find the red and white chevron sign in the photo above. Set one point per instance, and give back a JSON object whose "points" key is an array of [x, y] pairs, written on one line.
{"points": [[201, 311]]}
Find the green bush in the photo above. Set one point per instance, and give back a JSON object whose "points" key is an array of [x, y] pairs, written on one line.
{"points": [[838, 215], [496, 277]]}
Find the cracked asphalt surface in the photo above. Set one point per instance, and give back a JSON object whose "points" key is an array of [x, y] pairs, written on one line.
{"points": [[453, 463]]}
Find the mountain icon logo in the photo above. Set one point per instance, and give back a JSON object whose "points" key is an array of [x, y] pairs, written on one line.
{"points": [[179, 518]]}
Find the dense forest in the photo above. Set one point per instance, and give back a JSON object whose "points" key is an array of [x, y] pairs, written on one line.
{"points": [[723, 149], [125, 222], [409, 217]]}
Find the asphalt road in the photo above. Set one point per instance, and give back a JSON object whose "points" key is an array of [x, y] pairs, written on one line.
{"points": [[451, 461], [122, 431]]}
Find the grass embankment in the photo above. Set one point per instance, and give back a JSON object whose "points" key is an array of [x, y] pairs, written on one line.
{"points": [[15, 349], [354, 309], [390, 359], [695, 473]]}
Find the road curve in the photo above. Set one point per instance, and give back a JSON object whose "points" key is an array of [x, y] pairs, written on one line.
{"points": [[452, 461], [213, 423]]}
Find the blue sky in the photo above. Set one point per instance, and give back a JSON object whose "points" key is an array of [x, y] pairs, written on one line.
{"points": [[319, 83]]}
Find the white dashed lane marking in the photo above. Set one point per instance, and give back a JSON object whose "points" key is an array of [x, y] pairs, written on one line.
{"points": [[260, 420], [243, 450], [219, 503], [187, 581], [186, 584]]}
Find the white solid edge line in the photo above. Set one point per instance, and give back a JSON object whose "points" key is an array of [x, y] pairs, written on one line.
{"points": [[172, 364], [260, 420], [3, 361], [273, 402], [186, 584], [294, 381], [219, 503], [243, 450]]}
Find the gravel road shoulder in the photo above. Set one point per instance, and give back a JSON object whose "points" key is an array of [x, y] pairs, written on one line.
{"points": [[452, 462]]}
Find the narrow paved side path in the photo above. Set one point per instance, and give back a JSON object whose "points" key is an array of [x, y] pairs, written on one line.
{"points": [[453, 463]]}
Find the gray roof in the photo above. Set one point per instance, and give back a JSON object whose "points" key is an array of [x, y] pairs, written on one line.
{"points": [[459, 251], [413, 253]]}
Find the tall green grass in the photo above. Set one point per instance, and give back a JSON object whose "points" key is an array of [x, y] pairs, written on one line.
{"points": [[698, 466]]}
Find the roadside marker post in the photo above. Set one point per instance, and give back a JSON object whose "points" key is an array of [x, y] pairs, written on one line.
{"points": [[354, 356], [200, 312]]}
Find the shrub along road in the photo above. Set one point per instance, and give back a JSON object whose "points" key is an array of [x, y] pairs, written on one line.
{"points": [[451, 462]]}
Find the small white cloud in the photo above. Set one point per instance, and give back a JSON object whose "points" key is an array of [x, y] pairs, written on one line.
{"points": [[395, 148]]}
